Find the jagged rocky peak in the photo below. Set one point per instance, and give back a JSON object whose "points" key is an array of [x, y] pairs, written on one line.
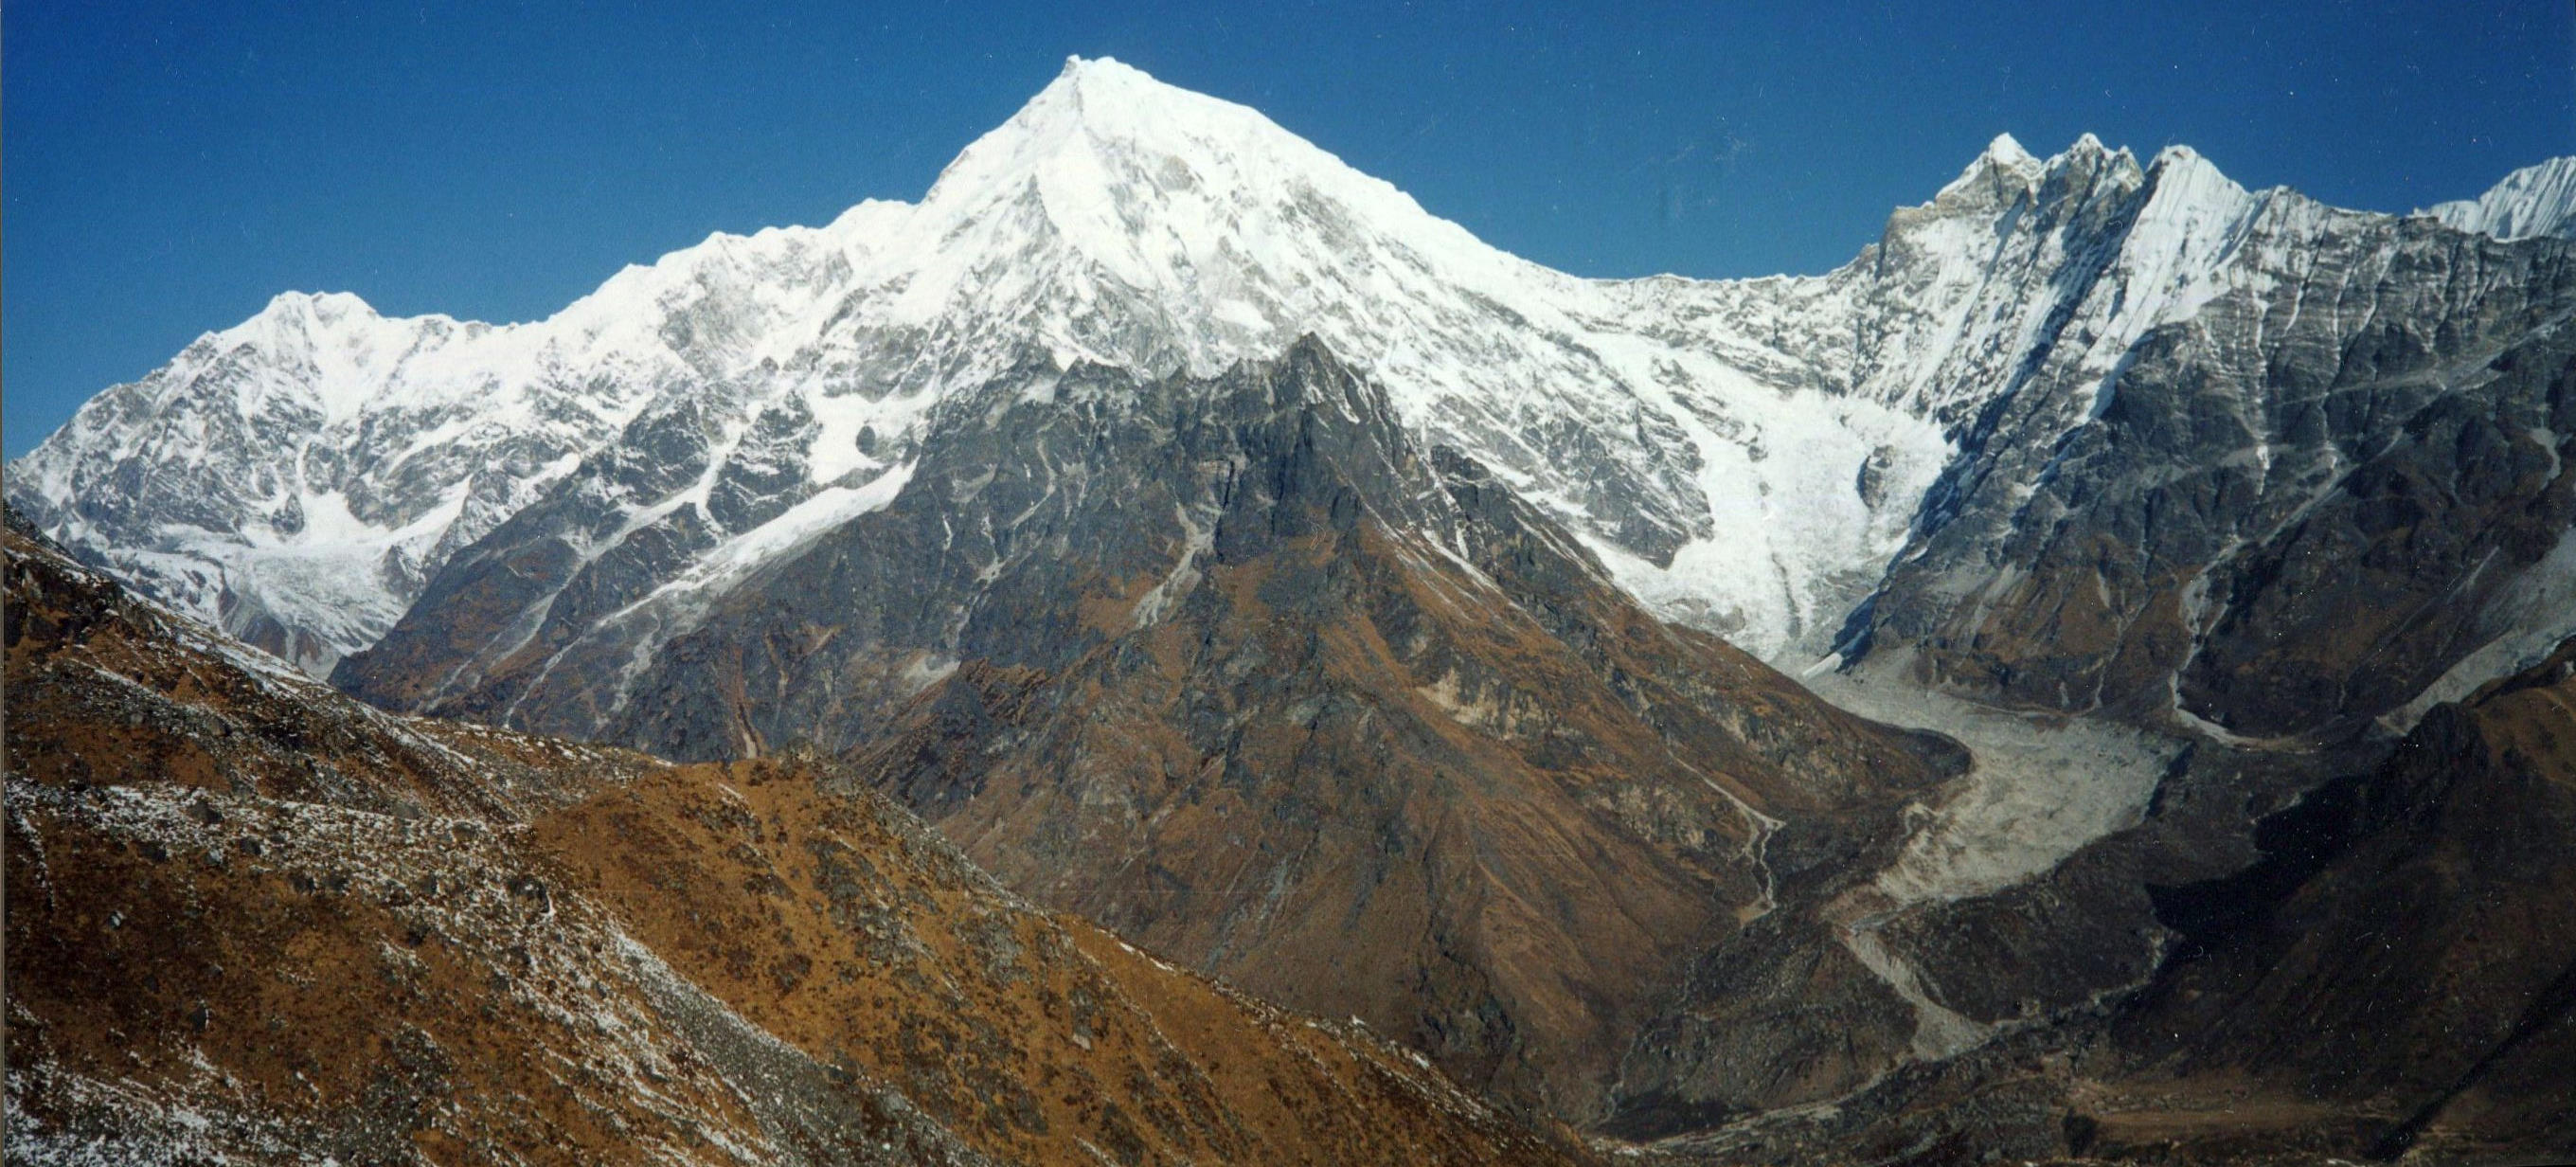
{"points": [[2007, 151], [2006, 173], [2191, 191], [2533, 201], [1995, 180]]}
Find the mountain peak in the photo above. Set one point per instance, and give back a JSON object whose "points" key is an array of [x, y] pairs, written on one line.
{"points": [[294, 317], [1103, 123], [1105, 98], [2006, 150], [1994, 176], [2005, 166], [326, 306], [1103, 90], [2183, 168], [2536, 200], [1109, 183], [1105, 74]]}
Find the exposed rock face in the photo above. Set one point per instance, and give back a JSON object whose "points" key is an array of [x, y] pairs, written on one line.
{"points": [[296, 479], [2064, 437], [2077, 434], [1113, 220], [252, 920]]}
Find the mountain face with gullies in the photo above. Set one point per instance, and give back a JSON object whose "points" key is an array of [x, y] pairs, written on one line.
{"points": [[1213, 542]]}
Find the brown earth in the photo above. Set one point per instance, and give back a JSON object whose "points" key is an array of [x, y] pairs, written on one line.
{"points": [[1433, 770], [253, 920]]}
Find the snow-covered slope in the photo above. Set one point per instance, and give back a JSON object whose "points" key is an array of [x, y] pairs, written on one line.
{"points": [[299, 476], [2535, 200]]}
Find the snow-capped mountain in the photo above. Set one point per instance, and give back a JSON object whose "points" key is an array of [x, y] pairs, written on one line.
{"points": [[1113, 219], [2182, 450], [2535, 200], [1750, 456]]}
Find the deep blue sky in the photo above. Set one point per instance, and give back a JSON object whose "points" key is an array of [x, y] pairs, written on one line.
{"points": [[168, 167]]}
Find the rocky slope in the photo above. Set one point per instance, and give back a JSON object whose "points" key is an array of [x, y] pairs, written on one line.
{"points": [[1236, 667], [2265, 466], [252, 920], [2403, 954], [2062, 438]]}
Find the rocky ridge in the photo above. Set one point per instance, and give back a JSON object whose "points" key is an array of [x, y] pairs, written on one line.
{"points": [[2533, 201]]}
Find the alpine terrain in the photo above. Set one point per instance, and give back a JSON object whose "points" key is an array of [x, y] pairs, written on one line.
{"points": [[2085, 679], [255, 921]]}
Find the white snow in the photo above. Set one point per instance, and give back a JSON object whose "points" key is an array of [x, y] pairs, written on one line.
{"points": [[823, 512], [677, 606], [1114, 219]]}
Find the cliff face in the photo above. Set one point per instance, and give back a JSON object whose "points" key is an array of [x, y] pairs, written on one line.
{"points": [[2261, 466], [251, 919]]}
